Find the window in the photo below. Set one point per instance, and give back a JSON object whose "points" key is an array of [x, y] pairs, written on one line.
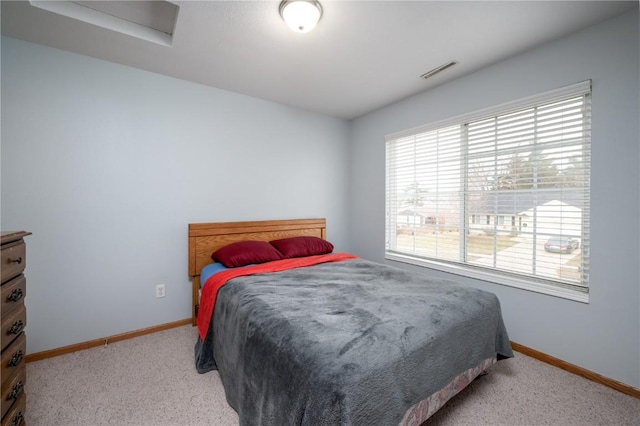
{"points": [[528, 161]]}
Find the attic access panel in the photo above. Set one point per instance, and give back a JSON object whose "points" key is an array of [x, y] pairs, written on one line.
{"points": [[148, 20]]}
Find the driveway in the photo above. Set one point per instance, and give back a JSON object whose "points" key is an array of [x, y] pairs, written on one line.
{"points": [[518, 258]]}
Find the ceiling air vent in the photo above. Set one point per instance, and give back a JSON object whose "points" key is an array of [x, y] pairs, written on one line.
{"points": [[435, 71]]}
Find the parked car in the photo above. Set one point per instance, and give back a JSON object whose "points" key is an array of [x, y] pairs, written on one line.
{"points": [[561, 244]]}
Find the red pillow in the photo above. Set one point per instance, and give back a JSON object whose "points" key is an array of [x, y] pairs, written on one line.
{"points": [[246, 253], [302, 246]]}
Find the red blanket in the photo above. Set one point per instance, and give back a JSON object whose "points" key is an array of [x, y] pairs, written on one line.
{"points": [[216, 281]]}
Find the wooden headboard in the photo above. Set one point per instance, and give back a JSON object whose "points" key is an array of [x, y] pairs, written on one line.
{"points": [[205, 238]]}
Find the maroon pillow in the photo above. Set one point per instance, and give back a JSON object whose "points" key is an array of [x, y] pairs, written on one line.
{"points": [[246, 253], [302, 246]]}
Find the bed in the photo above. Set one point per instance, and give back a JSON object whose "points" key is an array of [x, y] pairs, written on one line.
{"points": [[343, 341]]}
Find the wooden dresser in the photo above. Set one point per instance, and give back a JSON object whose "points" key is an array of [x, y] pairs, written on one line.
{"points": [[14, 320]]}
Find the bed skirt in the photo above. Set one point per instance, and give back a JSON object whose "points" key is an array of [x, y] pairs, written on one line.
{"points": [[424, 409]]}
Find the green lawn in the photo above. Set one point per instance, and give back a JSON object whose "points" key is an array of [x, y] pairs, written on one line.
{"points": [[571, 269], [447, 244]]}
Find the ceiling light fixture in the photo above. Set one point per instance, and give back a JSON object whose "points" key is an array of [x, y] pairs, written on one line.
{"points": [[301, 15]]}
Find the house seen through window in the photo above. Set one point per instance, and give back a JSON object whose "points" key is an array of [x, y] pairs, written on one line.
{"points": [[503, 192]]}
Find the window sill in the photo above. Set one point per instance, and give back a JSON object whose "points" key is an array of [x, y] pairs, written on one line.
{"points": [[536, 287]]}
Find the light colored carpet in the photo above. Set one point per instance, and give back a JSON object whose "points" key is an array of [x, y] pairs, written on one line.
{"points": [[151, 380]]}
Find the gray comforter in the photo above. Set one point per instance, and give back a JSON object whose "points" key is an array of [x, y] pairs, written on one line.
{"points": [[346, 343]]}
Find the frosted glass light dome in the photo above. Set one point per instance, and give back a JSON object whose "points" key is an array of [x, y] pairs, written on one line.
{"points": [[301, 15]]}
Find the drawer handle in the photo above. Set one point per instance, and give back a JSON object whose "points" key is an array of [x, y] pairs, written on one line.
{"points": [[17, 390], [15, 295], [17, 419], [17, 327], [16, 358], [18, 260]]}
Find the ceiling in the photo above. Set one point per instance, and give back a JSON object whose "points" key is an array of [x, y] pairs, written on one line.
{"points": [[363, 55]]}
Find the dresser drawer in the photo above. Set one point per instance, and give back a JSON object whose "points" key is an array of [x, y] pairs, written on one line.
{"points": [[12, 390], [12, 325], [13, 294], [13, 357], [16, 414], [14, 259]]}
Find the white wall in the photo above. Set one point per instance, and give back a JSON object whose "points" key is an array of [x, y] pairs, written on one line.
{"points": [[604, 335], [107, 165]]}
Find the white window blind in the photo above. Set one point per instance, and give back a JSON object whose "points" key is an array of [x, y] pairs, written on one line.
{"points": [[503, 191]]}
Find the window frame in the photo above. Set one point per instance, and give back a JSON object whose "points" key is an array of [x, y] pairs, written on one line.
{"points": [[558, 289]]}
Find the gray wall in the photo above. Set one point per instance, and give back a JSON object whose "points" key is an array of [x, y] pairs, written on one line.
{"points": [[107, 165], [604, 335]]}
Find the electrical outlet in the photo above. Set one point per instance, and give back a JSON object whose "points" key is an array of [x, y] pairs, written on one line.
{"points": [[160, 290]]}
